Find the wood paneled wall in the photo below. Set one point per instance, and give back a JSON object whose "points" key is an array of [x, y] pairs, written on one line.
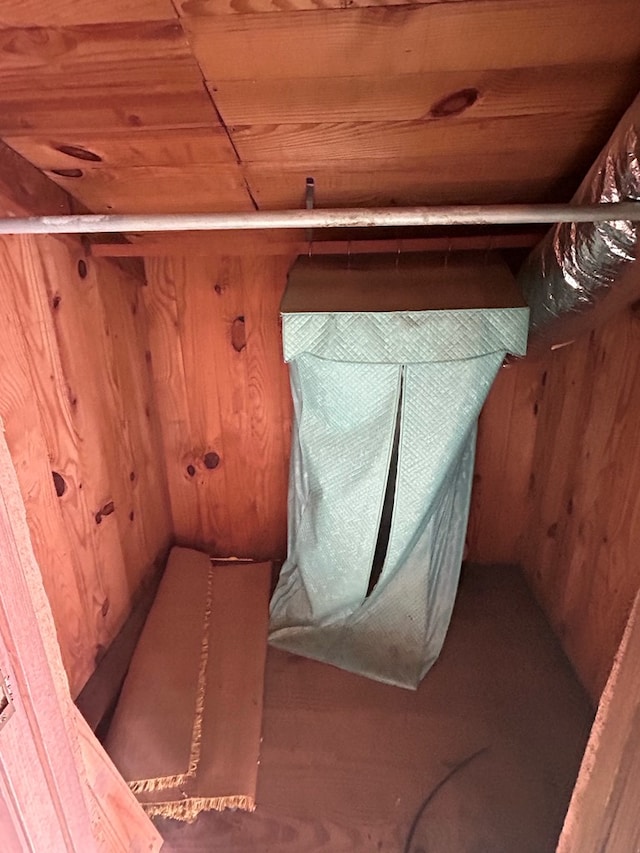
{"points": [[581, 544], [558, 487], [223, 395], [76, 401]]}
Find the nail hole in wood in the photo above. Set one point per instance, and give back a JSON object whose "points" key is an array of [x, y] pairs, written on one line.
{"points": [[59, 483], [79, 153], [82, 268], [191, 470], [68, 173], [132, 476], [131, 515], [55, 302], [98, 517], [211, 460], [455, 103], [238, 334]]}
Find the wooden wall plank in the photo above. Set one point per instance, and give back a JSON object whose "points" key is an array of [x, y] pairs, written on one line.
{"points": [[558, 470], [165, 342], [62, 320], [40, 768], [53, 795], [89, 387], [500, 500], [222, 389], [25, 435], [412, 39], [143, 517], [583, 536], [269, 397]]}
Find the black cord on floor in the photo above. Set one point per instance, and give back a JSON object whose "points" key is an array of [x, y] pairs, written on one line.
{"points": [[430, 797]]}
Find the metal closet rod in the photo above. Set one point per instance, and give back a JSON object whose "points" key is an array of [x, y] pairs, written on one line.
{"points": [[498, 214]]}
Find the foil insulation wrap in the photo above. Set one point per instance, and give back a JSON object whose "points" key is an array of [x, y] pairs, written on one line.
{"points": [[577, 263]]}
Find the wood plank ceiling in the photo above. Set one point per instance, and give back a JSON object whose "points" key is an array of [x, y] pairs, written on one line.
{"points": [[213, 104]]}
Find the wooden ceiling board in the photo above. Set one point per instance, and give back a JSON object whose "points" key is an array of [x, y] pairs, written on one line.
{"points": [[556, 89], [413, 39], [370, 186], [394, 142], [101, 106], [160, 189], [57, 13], [115, 50], [207, 146], [353, 96], [200, 8]]}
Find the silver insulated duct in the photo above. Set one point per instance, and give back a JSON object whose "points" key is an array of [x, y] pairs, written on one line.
{"points": [[575, 267]]}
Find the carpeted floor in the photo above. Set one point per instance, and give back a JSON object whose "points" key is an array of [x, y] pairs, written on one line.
{"points": [[481, 759]]}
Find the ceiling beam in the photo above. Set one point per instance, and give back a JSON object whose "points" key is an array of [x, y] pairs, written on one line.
{"points": [[234, 243]]}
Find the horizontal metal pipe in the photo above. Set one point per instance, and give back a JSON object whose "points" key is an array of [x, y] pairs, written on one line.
{"points": [[512, 214]]}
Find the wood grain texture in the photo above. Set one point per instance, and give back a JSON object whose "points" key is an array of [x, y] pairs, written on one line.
{"points": [[500, 501], [223, 395], [37, 752], [392, 142], [503, 92], [556, 487], [413, 39], [198, 8], [29, 13], [352, 95], [160, 189], [603, 814], [126, 104], [103, 77], [582, 536], [127, 149], [87, 389], [431, 179]]}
